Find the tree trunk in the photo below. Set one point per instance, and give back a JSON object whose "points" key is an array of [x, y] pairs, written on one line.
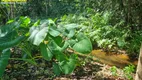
{"points": [[139, 67]]}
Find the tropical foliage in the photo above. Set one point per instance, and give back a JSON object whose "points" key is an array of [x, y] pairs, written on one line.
{"points": [[54, 27], [51, 39]]}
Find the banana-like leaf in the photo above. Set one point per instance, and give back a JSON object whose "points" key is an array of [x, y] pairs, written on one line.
{"points": [[4, 60]]}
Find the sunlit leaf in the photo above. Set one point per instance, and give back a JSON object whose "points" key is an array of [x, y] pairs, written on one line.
{"points": [[54, 32], [10, 21], [83, 45], [71, 26], [25, 21], [38, 34]]}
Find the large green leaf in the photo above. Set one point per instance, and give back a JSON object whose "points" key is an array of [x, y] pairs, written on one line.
{"points": [[45, 52], [4, 60], [60, 56], [71, 29], [68, 66], [71, 42], [83, 45], [67, 30], [54, 32], [11, 43], [38, 33], [53, 46], [71, 26], [58, 40], [8, 28], [80, 36], [8, 36], [57, 51], [56, 69], [65, 46], [71, 33]]}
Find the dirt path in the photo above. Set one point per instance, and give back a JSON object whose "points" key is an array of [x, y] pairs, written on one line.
{"points": [[119, 60]]}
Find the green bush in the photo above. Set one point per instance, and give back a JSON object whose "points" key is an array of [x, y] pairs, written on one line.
{"points": [[134, 43], [98, 28], [128, 70]]}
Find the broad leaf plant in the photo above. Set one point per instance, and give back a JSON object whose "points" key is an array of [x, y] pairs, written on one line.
{"points": [[53, 41]]}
